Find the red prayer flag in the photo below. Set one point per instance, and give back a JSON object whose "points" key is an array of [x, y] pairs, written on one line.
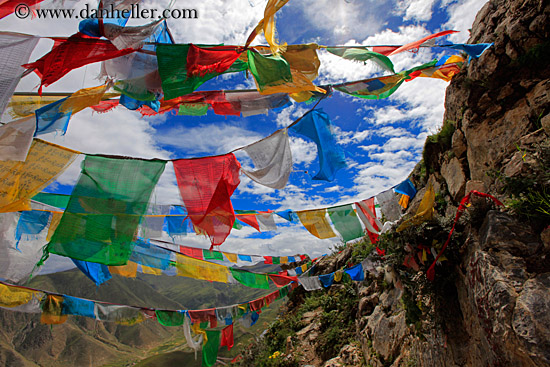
{"points": [[268, 259], [193, 252], [105, 106], [257, 305], [418, 43], [206, 185], [198, 316], [281, 280], [227, 337], [250, 219], [9, 6], [72, 53], [202, 61], [370, 205], [271, 297]]}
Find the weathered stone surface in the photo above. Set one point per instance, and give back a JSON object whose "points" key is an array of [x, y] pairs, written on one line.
{"points": [[545, 122], [454, 175], [475, 185], [531, 319], [458, 143], [503, 233]]}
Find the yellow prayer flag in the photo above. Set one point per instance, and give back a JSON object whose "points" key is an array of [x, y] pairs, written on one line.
{"points": [[56, 217], [51, 310], [425, 210], [129, 270], [11, 296], [231, 257], [316, 223], [149, 270], [199, 269], [83, 98], [20, 181], [404, 201]]}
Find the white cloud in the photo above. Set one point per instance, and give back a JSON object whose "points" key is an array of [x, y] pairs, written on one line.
{"points": [[416, 10], [214, 138], [461, 17]]}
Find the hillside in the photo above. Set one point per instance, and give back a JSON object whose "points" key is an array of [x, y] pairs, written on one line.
{"points": [[81, 341], [489, 302]]}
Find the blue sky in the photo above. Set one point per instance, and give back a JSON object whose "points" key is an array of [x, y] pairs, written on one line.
{"points": [[382, 139]]}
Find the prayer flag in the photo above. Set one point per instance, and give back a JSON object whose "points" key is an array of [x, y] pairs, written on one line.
{"points": [[316, 125], [105, 208], [346, 222], [316, 223], [206, 186], [424, 212]]}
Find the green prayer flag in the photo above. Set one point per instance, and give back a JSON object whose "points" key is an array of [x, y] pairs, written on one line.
{"points": [[170, 318], [172, 65], [361, 54], [210, 348], [346, 222], [268, 71], [193, 109], [105, 209], [56, 200], [249, 279], [212, 255], [276, 259], [283, 292]]}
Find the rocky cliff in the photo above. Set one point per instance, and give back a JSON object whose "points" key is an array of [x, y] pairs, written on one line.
{"points": [[489, 304]]}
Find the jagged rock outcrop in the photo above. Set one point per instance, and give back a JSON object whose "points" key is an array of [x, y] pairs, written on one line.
{"points": [[490, 304]]}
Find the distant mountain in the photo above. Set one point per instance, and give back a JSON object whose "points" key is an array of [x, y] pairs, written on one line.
{"points": [[81, 341]]}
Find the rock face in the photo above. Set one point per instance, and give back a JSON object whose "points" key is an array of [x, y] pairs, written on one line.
{"points": [[494, 309]]}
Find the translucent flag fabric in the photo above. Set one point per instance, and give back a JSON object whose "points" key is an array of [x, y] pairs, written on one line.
{"points": [[443, 69], [249, 279], [367, 213], [266, 222], [210, 348], [24, 106], [389, 205], [124, 315], [424, 212], [316, 223], [15, 50], [16, 139], [151, 227], [83, 98], [268, 71], [51, 119], [356, 272], [97, 273], [316, 125], [206, 185], [11, 297], [72, 53], [199, 269], [20, 181], [130, 37], [52, 310], [105, 209], [423, 41], [346, 222], [267, 25], [210, 60], [251, 103], [373, 88], [172, 65], [78, 307], [7, 7], [272, 160], [17, 264], [170, 318], [227, 337], [31, 223], [310, 283], [474, 51], [406, 188], [361, 54]]}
